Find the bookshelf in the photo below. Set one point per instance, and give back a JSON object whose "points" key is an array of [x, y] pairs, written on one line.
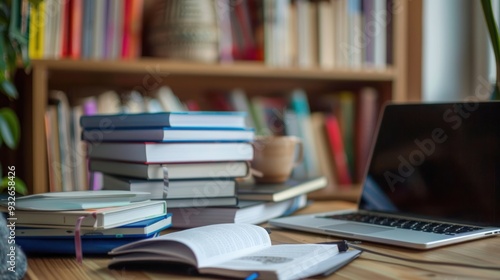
{"points": [[193, 79]]}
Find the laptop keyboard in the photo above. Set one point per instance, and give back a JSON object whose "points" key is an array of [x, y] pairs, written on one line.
{"points": [[441, 228]]}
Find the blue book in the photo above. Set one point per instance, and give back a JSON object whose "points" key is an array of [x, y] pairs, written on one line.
{"points": [[166, 119], [168, 134], [61, 241]]}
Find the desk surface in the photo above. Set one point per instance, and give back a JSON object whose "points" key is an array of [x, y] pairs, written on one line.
{"points": [[367, 266]]}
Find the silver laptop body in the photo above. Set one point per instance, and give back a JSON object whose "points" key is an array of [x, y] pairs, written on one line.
{"points": [[433, 179]]}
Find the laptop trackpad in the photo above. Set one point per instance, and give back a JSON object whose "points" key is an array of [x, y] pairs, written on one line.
{"points": [[355, 228]]}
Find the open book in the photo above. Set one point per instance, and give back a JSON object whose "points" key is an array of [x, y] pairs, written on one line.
{"points": [[234, 250]]}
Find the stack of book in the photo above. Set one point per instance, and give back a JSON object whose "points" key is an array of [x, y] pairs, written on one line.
{"points": [[258, 203], [189, 159], [84, 222]]}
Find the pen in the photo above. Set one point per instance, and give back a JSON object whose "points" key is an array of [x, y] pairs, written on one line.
{"points": [[342, 245], [252, 276]]}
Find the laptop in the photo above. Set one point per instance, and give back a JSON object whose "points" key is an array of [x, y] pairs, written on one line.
{"points": [[433, 179]]}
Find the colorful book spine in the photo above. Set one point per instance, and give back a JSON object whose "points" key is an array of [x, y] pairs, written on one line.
{"points": [[75, 37], [36, 27], [337, 149]]}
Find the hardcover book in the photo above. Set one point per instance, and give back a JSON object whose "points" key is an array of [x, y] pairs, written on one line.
{"points": [[280, 191], [75, 200], [170, 152], [201, 201], [166, 134], [144, 228], [97, 219], [166, 119], [61, 241], [187, 170], [211, 187], [247, 212]]}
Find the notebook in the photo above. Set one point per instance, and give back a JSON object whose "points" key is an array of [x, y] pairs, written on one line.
{"points": [[432, 179]]}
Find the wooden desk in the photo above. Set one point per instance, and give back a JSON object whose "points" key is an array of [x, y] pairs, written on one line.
{"points": [[367, 266]]}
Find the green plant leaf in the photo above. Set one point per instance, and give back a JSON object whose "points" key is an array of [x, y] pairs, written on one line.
{"points": [[3, 63], [10, 128], [9, 89], [494, 37], [11, 57], [19, 185], [4, 13]]}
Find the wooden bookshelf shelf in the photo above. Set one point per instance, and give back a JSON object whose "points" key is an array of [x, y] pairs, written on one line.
{"points": [[190, 79], [237, 69]]}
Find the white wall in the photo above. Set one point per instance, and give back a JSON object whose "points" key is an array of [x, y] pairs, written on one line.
{"points": [[457, 59]]}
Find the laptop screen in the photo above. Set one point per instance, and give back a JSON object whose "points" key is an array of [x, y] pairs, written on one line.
{"points": [[439, 161]]}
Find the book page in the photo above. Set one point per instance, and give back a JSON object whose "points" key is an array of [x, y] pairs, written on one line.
{"points": [[210, 244], [286, 261]]}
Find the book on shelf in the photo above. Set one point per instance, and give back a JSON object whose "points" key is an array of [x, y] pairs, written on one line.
{"points": [[62, 118], [380, 29], [85, 29], [201, 201], [53, 151], [324, 156], [99, 218], [61, 241], [79, 161], [170, 152], [187, 188], [302, 122], [365, 126], [280, 191], [76, 200], [187, 170], [338, 152], [165, 119], [346, 116], [254, 254], [166, 134], [326, 39], [285, 33], [355, 33], [247, 212]]}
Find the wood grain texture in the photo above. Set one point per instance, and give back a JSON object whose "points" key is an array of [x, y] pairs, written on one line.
{"points": [[367, 266]]}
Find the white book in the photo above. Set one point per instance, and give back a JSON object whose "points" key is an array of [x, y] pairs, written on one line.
{"points": [[246, 212], [342, 35], [304, 38], [235, 251], [171, 152], [326, 38], [213, 187], [100, 218], [380, 46], [98, 30], [115, 29], [66, 164], [74, 200], [188, 170]]}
